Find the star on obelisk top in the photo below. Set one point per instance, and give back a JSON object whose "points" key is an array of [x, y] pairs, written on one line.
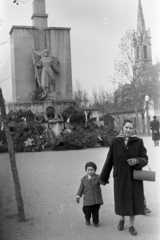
{"points": [[141, 27], [39, 17]]}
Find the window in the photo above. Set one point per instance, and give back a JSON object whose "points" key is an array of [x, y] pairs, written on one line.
{"points": [[137, 53], [145, 52]]}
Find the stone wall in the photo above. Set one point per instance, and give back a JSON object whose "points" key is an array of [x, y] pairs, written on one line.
{"points": [[40, 107]]}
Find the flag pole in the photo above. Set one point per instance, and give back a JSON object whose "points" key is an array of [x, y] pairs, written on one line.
{"points": [[36, 71]]}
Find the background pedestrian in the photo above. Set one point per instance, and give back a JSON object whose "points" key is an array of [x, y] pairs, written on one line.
{"points": [[154, 125]]}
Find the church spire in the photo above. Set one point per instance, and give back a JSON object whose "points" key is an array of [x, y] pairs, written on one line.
{"points": [[142, 41], [141, 27]]}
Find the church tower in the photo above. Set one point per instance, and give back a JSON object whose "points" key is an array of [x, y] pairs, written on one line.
{"points": [[142, 41]]}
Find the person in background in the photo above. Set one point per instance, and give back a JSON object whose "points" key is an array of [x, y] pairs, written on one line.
{"points": [[126, 153], [146, 209], [154, 125], [91, 191]]}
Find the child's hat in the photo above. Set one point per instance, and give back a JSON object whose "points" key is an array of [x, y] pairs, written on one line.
{"points": [[91, 164]]}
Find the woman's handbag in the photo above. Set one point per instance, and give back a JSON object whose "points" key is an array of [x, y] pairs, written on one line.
{"points": [[144, 175]]}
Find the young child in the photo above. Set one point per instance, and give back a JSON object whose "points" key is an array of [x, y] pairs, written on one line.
{"points": [[91, 191]]}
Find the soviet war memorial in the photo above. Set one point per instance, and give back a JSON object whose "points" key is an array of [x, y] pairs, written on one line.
{"points": [[41, 59], [79, 120]]}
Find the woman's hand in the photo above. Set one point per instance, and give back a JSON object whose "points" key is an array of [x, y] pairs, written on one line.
{"points": [[132, 161]]}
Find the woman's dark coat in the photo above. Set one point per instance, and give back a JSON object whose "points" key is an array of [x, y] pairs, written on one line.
{"points": [[154, 125], [91, 191], [128, 193]]}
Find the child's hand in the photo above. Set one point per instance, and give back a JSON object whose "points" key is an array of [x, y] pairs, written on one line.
{"points": [[101, 182], [77, 199]]}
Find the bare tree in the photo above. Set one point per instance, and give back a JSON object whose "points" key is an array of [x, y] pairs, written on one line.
{"points": [[102, 100], [19, 200], [80, 95], [85, 98], [95, 98], [135, 81], [20, 1]]}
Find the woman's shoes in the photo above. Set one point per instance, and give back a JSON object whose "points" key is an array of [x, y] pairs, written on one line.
{"points": [[146, 210], [133, 231], [121, 225]]}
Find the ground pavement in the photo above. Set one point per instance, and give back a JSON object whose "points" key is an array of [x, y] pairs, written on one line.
{"points": [[49, 182]]}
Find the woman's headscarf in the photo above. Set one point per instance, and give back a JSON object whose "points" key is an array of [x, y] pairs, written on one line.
{"points": [[126, 139]]}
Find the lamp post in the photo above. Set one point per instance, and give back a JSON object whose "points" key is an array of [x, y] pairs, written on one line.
{"points": [[147, 108]]}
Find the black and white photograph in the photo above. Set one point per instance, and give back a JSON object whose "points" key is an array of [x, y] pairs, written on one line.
{"points": [[79, 119]]}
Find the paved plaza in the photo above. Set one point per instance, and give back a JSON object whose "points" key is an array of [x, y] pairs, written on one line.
{"points": [[49, 182]]}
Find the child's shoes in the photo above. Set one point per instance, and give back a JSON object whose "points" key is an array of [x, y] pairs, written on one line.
{"points": [[96, 225], [87, 223]]}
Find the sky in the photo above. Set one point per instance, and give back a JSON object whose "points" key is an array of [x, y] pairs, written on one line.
{"points": [[96, 30]]}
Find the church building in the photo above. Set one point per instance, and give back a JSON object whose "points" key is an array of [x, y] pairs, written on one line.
{"points": [[142, 50]]}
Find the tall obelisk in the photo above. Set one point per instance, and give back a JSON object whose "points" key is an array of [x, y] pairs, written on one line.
{"points": [[39, 17]]}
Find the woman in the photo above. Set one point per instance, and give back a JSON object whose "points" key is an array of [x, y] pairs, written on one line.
{"points": [[154, 125], [126, 153]]}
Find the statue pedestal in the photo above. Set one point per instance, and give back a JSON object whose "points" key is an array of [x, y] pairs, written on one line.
{"points": [[40, 107], [51, 96]]}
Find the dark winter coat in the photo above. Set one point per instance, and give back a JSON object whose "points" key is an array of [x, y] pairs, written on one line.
{"points": [[91, 191], [128, 193], [155, 129]]}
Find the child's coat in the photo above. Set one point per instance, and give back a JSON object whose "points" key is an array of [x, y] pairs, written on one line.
{"points": [[91, 191]]}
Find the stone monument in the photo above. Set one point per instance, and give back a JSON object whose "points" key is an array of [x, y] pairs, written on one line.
{"points": [[35, 49]]}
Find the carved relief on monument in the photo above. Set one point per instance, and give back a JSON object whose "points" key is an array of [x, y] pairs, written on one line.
{"points": [[47, 69]]}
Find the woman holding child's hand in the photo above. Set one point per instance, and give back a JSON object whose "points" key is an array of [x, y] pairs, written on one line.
{"points": [[126, 153]]}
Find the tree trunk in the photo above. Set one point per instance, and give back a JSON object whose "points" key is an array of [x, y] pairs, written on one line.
{"points": [[143, 123], [137, 117], [19, 200]]}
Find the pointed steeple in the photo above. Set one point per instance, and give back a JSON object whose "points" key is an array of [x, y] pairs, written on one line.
{"points": [[142, 41], [141, 27]]}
